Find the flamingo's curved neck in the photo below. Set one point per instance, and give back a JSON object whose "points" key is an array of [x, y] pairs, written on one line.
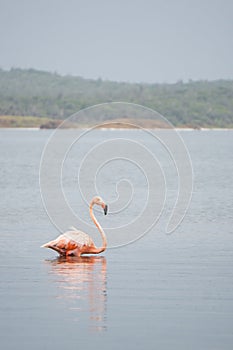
{"points": [[104, 246]]}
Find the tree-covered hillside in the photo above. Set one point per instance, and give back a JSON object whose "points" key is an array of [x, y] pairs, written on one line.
{"points": [[42, 94]]}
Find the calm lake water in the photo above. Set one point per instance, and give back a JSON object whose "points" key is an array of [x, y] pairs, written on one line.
{"points": [[161, 292]]}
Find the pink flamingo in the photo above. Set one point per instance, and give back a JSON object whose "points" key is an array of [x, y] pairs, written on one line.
{"points": [[75, 242]]}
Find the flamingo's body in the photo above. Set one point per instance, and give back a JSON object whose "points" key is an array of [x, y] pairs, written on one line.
{"points": [[75, 242]]}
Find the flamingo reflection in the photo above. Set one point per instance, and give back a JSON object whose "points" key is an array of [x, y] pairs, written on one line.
{"points": [[82, 281]]}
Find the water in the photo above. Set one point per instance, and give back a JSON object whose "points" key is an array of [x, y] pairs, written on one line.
{"points": [[161, 292]]}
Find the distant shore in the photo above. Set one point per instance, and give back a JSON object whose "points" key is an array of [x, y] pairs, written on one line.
{"points": [[28, 94], [31, 122], [123, 129]]}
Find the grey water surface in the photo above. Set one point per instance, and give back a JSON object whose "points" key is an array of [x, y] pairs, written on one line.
{"points": [[160, 292]]}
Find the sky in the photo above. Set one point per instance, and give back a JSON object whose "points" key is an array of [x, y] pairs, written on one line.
{"points": [[151, 41]]}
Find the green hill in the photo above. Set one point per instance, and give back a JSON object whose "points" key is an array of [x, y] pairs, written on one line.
{"points": [[49, 95]]}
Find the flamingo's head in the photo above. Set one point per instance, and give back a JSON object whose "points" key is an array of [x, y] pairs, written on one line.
{"points": [[99, 201]]}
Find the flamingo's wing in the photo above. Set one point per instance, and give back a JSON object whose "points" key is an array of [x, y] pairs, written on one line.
{"points": [[78, 237], [68, 241]]}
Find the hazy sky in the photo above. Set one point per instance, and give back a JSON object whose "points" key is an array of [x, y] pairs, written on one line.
{"points": [[123, 40]]}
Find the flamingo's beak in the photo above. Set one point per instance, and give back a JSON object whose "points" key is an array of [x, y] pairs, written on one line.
{"points": [[105, 209]]}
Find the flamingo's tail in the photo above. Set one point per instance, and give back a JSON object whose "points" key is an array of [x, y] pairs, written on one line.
{"points": [[46, 245], [55, 246]]}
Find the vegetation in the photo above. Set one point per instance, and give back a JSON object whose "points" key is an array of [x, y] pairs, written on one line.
{"points": [[10, 121], [44, 96]]}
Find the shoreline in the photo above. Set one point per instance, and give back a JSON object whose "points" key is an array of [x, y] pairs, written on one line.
{"points": [[111, 129], [46, 123]]}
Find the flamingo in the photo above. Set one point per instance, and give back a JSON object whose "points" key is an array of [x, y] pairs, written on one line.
{"points": [[75, 242]]}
